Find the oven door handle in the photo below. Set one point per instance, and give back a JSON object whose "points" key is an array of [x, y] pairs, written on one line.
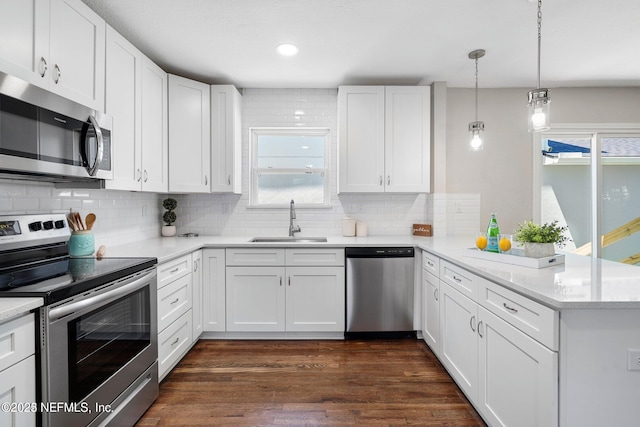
{"points": [[66, 309]]}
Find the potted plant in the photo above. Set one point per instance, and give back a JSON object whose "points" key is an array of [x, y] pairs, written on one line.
{"points": [[169, 217], [540, 240]]}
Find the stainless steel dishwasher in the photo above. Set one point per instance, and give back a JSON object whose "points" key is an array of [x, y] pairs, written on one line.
{"points": [[379, 291]]}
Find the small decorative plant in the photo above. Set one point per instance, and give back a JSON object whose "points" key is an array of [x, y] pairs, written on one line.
{"points": [[169, 217], [530, 232]]}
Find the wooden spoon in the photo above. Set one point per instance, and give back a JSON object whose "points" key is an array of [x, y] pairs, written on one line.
{"points": [[89, 220]]}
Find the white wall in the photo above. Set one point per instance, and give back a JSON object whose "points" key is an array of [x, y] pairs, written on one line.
{"points": [[503, 172]]}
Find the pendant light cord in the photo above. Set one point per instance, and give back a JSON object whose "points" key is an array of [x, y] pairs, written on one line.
{"points": [[476, 88], [539, 38]]}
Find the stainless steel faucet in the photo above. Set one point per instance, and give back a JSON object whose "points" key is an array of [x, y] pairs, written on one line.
{"points": [[292, 215]]}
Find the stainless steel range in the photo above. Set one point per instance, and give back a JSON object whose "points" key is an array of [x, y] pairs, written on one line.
{"points": [[97, 331]]}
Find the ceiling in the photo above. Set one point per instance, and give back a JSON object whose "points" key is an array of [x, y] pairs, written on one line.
{"points": [[584, 42]]}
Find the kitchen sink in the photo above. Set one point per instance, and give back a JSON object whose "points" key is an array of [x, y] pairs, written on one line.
{"points": [[288, 240]]}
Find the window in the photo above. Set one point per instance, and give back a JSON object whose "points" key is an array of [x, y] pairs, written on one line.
{"points": [[289, 164], [595, 195]]}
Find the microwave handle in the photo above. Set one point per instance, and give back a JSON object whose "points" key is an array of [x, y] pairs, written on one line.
{"points": [[100, 153]]}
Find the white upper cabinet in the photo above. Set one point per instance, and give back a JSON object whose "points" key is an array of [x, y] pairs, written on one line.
{"points": [[136, 98], [56, 44], [189, 136], [226, 139], [384, 139]]}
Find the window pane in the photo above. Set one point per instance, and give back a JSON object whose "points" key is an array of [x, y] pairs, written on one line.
{"points": [[303, 187], [290, 151], [620, 200]]}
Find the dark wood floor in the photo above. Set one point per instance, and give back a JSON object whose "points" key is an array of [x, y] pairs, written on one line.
{"points": [[310, 383]]}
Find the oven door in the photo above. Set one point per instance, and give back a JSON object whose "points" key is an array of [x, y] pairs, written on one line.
{"points": [[95, 347]]}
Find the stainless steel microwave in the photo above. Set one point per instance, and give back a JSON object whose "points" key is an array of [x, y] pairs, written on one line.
{"points": [[46, 136]]}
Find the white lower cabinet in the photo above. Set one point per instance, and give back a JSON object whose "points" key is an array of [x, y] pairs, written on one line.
{"points": [[17, 370], [175, 313], [498, 346], [213, 290], [275, 297]]}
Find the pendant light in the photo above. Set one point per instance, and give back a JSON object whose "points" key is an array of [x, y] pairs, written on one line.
{"points": [[538, 98], [476, 128]]}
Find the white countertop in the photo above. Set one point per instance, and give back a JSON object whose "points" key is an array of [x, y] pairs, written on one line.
{"points": [[11, 307], [580, 283]]}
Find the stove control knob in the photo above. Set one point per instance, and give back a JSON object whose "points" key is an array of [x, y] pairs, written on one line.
{"points": [[48, 225], [59, 224], [35, 226]]}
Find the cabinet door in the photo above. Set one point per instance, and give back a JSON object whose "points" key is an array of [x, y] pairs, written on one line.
{"points": [[24, 31], [18, 385], [154, 128], [255, 299], [459, 348], [122, 102], [77, 53], [226, 139], [361, 139], [213, 292], [517, 376], [407, 139], [431, 311], [189, 135], [315, 299], [196, 291]]}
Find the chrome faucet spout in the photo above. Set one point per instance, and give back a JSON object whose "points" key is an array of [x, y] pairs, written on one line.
{"points": [[292, 215]]}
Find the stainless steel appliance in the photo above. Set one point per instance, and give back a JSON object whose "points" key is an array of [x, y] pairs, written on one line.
{"points": [[380, 291], [97, 330], [43, 135]]}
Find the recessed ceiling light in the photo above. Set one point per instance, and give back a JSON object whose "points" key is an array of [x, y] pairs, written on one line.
{"points": [[287, 49]]}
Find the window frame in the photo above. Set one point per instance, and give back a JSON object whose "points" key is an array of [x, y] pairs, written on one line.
{"points": [[256, 132]]}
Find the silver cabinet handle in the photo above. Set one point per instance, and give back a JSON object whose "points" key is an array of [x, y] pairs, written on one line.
{"points": [[174, 301], [43, 66], [206, 180], [280, 280], [457, 279], [511, 309], [289, 280], [195, 265], [139, 174], [146, 175], [58, 74], [436, 294], [229, 180], [430, 264], [388, 179], [472, 323], [380, 179], [175, 342], [479, 331], [175, 270]]}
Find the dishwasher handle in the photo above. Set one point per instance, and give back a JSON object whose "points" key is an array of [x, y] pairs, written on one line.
{"points": [[380, 252]]}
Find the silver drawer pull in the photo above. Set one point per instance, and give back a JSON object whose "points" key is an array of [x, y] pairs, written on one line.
{"points": [[430, 264], [174, 301], [175, 270], [472, 323], [457, 279], [435, 294], [480, 330], [511, 309], [175, 342]]}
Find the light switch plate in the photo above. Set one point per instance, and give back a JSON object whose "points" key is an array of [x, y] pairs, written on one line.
{"points": [[633, 360]]}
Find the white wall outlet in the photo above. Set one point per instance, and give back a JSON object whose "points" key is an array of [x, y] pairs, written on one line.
{"points": [[633, 360]]}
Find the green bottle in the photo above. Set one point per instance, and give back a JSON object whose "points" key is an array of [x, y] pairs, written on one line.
{"points": [[492, 234]]}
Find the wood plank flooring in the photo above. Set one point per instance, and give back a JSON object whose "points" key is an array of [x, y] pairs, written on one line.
{"points": [[310, 383]]}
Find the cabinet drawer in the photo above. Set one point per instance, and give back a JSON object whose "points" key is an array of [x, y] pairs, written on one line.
{"points": [[173, 301], [172, 270], [460, 279], [313, 257], [17, 340], [173, 342], [18, 385], [430, 263], [532, 318], [255, 257]]}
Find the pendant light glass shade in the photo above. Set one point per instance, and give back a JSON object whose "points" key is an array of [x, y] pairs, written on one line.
{"points": [[538, 99], [476, 128]]}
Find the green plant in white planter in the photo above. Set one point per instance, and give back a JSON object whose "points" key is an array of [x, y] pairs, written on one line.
{"points": [[540, 240], [169, 217]]}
